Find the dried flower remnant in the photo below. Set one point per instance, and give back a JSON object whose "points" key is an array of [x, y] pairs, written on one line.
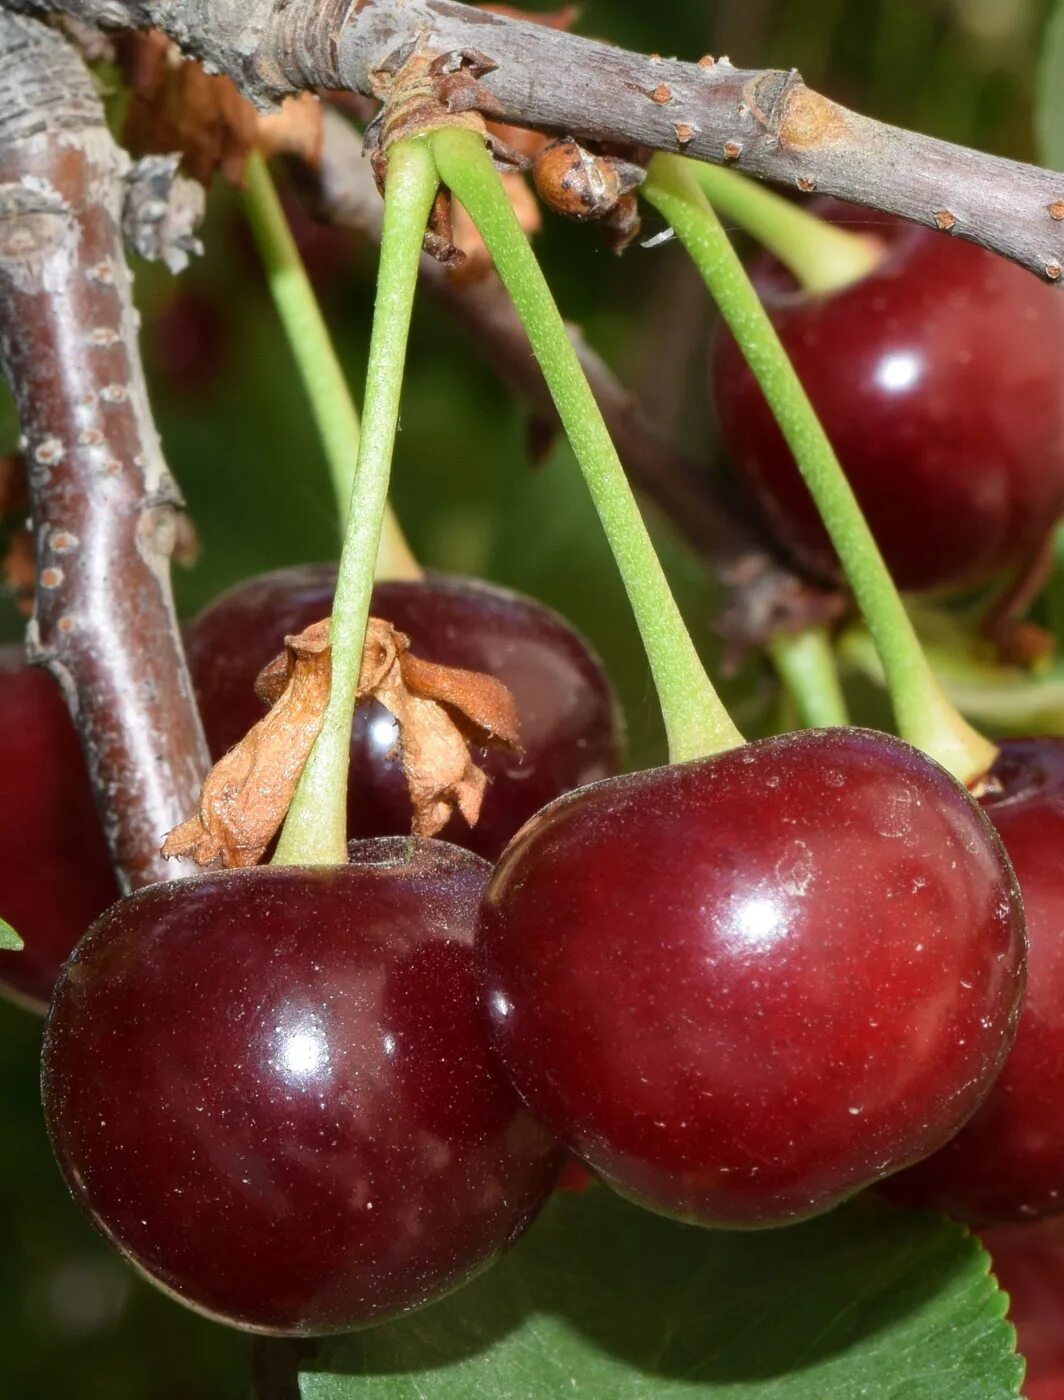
{"points": [[440, 712], [249, 790], [174, 105]]}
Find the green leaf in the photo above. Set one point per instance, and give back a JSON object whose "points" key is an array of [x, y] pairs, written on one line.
{"points": [[9, 939], [603, 1299], [1050, 107]]}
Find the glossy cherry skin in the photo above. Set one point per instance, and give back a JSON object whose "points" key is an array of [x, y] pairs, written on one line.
{"points": [[272, 1091], [1008, 1163], [55, 870], [570, 723], [743, 988], [937, 378], [1028, 1262]]}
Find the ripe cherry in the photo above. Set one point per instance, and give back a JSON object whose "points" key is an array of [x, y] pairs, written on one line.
{"points": [[1008, 1163], [1028, 1262], [570, 725], [743, 988], [56, 875], [937, 377], [271, 1090]]}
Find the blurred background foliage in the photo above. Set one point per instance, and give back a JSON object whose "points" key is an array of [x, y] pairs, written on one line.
{"points": [[74, 1322]]}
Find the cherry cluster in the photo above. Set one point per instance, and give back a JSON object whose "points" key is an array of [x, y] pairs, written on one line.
{"points": [[739, 989]]}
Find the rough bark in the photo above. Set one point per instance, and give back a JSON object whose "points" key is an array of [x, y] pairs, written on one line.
{"points": [[104, 505], [766, 122]]}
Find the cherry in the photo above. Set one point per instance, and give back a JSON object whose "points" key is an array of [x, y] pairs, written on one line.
{"points": [[271, 1090], [570, 725], [742, 988], [56, 875], [937, 378], [1029, 1265], [1008, 1163]]}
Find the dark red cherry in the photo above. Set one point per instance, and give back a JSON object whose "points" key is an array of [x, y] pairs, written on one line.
{"points": [[55, 870], [570, 726], [937, 378], [186, 342], [1008, 1163], [271, 1090], [1028, 1262], [743, 988]]}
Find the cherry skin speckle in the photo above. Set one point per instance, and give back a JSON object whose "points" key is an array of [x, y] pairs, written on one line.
{"points": [[1008, 1163], [743, 988], [271, 1090], [937, 378], [56, 875], [571, 731]]}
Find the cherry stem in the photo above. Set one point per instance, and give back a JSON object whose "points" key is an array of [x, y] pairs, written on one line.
{"points": [[806, 664], [315, 830], [820, 256], [925, 716], [696, 722], [308, 336]]}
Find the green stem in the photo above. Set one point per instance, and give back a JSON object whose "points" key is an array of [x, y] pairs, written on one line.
{"points": [[330, 399], [315, 832], [925, 716], [805, 662], [822, 257], [696, 721]]}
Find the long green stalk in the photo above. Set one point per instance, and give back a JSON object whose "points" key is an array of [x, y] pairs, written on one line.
{"points": [[925, 716], [696, 721], [315, 832], [308, 336]]}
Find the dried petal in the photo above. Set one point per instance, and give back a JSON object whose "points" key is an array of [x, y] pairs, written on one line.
{"points": [[248, 792], [439, 711], [175, 106]]}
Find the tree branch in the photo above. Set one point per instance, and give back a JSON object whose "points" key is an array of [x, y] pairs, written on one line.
{"points": [[764, 596], [104, 505], [766, 122]]}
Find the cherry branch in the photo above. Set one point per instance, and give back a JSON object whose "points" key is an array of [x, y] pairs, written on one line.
{"points": [[766, 122], [105, 509], [764, 596]]}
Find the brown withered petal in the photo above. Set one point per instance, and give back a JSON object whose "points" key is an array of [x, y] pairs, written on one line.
{"points": [[175, 106], [248, 792], [295, 130], [439, 711], [482, 704]]}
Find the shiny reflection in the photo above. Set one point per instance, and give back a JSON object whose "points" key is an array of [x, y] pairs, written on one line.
{"points": [[303, 1050], [758, 923], [383, 733], [899, 372], [500, 1005]]}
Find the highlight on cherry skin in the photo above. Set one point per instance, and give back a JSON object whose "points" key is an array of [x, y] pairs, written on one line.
{"points": [[56, 875], [271, 1090], [937, 379], [571, 727], [743, 988], [1008, 1162]]}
